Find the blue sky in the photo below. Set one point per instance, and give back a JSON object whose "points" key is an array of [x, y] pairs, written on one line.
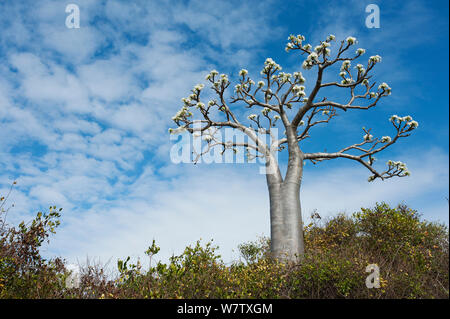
{"points": [[85, 112]]}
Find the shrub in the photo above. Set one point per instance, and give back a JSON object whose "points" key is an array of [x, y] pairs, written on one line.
{"points": [[412, 256]]}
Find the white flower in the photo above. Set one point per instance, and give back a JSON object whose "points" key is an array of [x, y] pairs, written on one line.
{"points": [[243, 72], [211, 103], [386, 139], [398, 165], [395, 118], [368, 137], [261, 84], [302, 123], [342, 74], [207, 138], [265, 110], [365, 82], [371, 178], [406, 118], [310, 61], [297, 88], [360, 51], [375, 59], [211, 75], [284, 77], [300, 38], [224, 78], [307, 47], [313, 56], [331, 37], [351, 40], [345, 65], [383, 86], [252, 116], [299, 77], [413, 124], [186, 101], [307, 65], [199, 87], [289, 46], [200, 105], [276, 117], [346, 81]]}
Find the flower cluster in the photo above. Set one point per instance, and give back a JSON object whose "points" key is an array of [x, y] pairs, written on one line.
{"points": [[243, 72], [182, 114], [345, 68], [265, 111], [198, 88], [211, 75], [408, 119], [284, 77], [375, 59], [345, 65], [299, 77], [270, 65], [299, 90], [386, 139], [323, 48], [294, 41], [399, 166], [385, 87], [367, 137], [212, 78], [330, 38], [360, 51], [252, 116], [351, 40], [312, 59], [360, 68], [207, 138]]}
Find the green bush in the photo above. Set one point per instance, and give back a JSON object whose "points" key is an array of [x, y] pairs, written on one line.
{"points": [[412, 256]]}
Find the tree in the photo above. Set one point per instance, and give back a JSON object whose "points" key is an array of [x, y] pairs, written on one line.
{"points": [[284, 103]]}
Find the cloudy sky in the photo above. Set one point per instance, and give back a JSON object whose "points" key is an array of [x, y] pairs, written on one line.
{"points": [[84, 116]]}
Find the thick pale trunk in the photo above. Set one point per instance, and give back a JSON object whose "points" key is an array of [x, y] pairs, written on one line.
{"points": [[286, 224]]}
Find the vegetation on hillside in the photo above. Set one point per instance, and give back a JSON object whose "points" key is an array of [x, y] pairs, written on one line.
{"points": [[411, 253]]}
